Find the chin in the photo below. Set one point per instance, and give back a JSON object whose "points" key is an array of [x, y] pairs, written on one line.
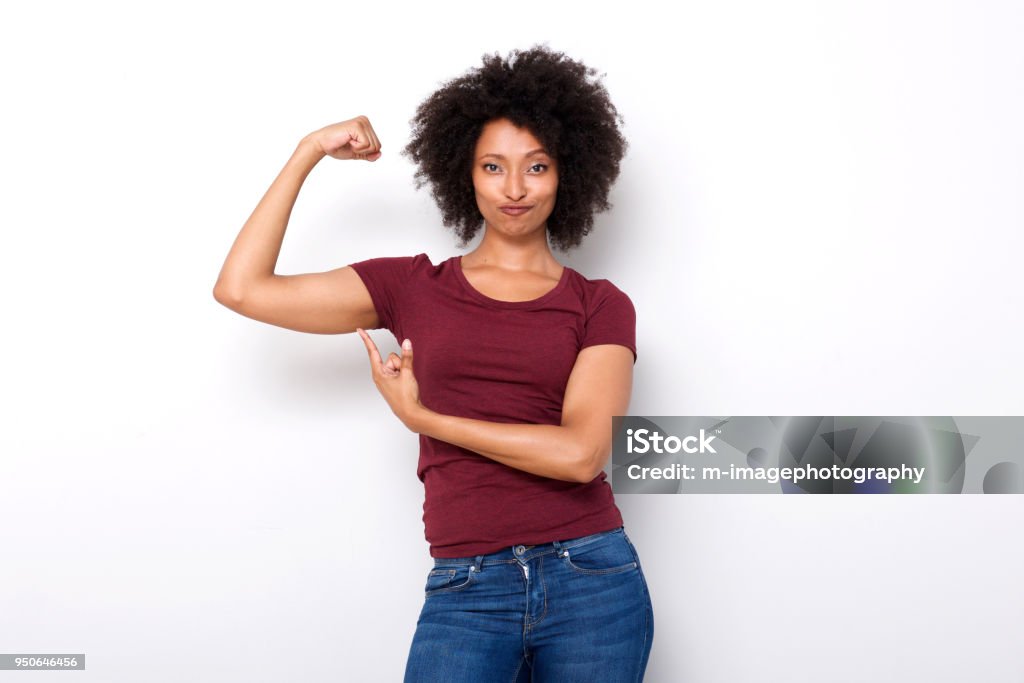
{"points": [[523, 232]]}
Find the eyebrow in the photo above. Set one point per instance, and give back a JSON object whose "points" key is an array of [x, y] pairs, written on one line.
{"points": [[531, 153]]}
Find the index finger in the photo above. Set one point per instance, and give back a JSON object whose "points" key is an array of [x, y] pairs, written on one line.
{"points": [[371, 348]]}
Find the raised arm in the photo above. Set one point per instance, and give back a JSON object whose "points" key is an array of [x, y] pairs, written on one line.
{"points": [[332, 302]]}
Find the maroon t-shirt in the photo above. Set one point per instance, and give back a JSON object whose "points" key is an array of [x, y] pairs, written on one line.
{"points": [[499, 361]]}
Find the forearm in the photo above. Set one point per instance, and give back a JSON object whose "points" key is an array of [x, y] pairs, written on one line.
{"points": [[254, 254], [545, 450]]}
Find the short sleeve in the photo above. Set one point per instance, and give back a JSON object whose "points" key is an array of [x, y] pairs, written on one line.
{"points": [[611, 320], [386, 278]]}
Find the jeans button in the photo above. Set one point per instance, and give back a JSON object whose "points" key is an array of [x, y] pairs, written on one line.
{"points": [[520, 549]]}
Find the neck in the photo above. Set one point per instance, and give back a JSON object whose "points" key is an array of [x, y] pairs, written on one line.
{"points": [[530, 254]]}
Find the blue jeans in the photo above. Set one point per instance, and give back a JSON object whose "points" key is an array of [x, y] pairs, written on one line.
{"points": [[574, 611]]}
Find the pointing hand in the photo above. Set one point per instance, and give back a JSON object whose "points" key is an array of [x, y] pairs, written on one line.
{"points": [[394, 379]]}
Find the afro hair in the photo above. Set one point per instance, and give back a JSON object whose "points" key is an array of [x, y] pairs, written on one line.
{"points": [[562, 102]]}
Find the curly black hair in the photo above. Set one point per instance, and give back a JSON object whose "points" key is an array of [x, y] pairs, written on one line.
{"points": [[559, 100]]}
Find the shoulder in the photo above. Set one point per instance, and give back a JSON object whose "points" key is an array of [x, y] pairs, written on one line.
{"points": [[598, 293], [400, 267], [609, 315], [397, 261]]}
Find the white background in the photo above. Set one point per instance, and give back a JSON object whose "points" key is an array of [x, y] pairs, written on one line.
{"points": [[820, 213]]}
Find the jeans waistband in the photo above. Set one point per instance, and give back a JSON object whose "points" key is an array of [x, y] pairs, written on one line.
{"points": [[523, 553]]}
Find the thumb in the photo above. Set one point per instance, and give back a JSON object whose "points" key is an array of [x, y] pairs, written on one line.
{"points": [[407, 355]]}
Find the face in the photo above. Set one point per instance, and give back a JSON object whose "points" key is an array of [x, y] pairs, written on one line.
{"points": [[516, 180]]}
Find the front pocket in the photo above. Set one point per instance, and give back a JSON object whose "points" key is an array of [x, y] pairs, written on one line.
{"points": [[610, 555], [447, 579]]}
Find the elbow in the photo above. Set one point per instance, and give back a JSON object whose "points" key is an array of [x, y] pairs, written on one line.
{"points": [[226, 297], [590, 463]]}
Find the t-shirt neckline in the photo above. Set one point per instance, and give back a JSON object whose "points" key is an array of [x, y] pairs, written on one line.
{"points": [[479, 296]]}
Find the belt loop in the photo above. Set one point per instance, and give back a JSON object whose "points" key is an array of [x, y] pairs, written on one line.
{"points": [[558, 548], [479, 562]]}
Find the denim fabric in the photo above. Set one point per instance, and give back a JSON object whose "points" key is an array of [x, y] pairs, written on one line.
{"points": [[574, 611]]}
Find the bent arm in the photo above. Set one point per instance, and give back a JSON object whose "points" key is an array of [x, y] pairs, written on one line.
{"points": [[577, 450], [331, 302], [254, 254]]}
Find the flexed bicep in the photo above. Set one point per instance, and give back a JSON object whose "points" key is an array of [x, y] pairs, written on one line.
{"points": [[334, 302]]}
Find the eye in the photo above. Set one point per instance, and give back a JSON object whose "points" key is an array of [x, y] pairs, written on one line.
{"points": [[539, 168], [491, 168]]}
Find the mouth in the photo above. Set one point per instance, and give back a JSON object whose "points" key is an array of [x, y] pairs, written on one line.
{"points": [[514, 209]]}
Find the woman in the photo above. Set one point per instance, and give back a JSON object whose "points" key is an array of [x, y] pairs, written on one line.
{"points": [[520, 363]]}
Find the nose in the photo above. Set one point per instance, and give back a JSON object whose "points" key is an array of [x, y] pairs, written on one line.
{"points": [[515, 188]]}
